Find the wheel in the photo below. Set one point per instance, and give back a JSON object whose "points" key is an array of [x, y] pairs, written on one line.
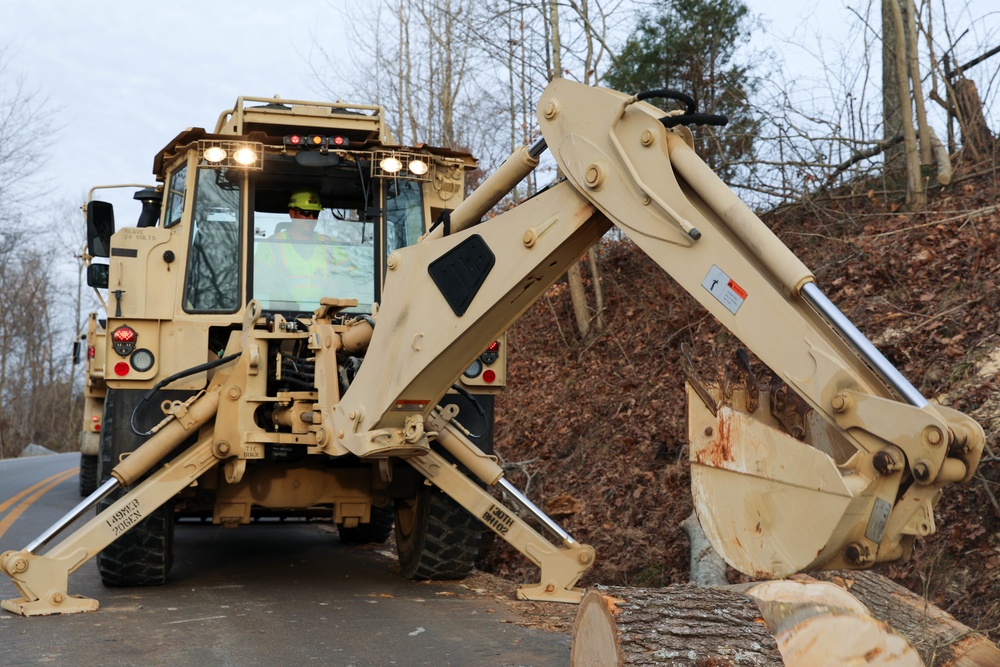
{"points": [[376, 531], [436, 538], [143, 555], [88, 474]]}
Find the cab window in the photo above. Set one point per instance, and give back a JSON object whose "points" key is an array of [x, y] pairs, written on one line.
{"points": [[404, 212], [212, 283], [175, 197], [297, 262]]}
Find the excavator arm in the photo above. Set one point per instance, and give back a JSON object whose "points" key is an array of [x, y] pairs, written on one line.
{"points": [[838, 464], [770, 503]]}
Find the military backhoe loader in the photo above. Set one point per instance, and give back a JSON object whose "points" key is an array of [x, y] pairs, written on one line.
{"points": [[228, 401]]}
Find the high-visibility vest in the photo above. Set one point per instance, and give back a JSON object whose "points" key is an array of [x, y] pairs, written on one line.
{"points": [[304, 276]]}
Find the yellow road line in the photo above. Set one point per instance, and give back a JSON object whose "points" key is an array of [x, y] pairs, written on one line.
{"points": [[40, 489]]}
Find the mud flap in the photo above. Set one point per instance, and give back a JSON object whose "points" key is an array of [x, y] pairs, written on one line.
{"points": [[770, 504]]}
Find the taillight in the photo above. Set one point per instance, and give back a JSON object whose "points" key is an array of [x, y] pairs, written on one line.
{"points": [[123, 340], [491, 354]]}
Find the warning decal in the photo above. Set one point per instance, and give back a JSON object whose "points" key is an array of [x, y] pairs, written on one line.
{"points": [[725, 289]]}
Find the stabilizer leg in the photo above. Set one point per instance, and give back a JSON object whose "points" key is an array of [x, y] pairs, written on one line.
{"points": [[43, 580], [561, 567]]}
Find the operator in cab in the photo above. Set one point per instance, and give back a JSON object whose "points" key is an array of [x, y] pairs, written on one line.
{"points": [[293, 267]]}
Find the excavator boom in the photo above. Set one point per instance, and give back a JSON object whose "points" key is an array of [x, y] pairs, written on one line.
{"points": [[853, 489]]}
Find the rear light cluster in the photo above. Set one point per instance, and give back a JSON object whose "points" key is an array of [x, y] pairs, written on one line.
{"points": [[316, 141], [478, 368], [123, 340]]}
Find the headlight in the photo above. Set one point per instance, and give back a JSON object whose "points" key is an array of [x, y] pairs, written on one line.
{"points": [[390, 165], [418, 167], [215, 154], [245, 156]]}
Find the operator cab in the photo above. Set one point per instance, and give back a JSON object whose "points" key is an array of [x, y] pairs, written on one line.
{"points": [[292, 263]]}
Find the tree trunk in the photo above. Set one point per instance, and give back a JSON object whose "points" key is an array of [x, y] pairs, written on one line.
{"points": [[939, 639], [916, 197], [578, 297], [707, 566], [941, 158], [678, 625], [913, 68], [892, 105]]}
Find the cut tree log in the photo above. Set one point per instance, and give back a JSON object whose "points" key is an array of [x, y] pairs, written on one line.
{"points": [[677, 625], [853, 618], [939, 639], [818, 624]]}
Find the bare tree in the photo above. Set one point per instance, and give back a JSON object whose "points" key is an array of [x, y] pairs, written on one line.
{"points": [[35, 382], [24, 114], [838, 123]]}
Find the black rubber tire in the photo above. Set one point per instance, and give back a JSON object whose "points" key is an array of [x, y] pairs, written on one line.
{"points": [[376, 531], [436, 538], [143, 555], [88, 474]]}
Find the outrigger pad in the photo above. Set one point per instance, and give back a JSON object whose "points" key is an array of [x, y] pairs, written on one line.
{"points": [[460, 272]]}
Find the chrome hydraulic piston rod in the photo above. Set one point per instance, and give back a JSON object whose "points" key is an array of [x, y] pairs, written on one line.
{"points": [[868, 352], [85, 505]]}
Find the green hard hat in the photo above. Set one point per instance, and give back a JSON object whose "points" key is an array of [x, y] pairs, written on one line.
{"points": [[305, 200]]}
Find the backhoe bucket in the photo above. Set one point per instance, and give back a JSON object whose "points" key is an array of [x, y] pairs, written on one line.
{"points": [[770, 504]]}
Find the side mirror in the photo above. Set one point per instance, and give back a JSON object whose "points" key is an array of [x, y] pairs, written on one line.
{"points": [[97, 275], [77, 351], [100, 227]]}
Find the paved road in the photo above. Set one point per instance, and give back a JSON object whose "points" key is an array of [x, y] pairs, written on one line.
{"points": [[258, 595]]}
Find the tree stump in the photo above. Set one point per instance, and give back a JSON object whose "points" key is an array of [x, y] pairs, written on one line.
{"points": [[976, 134], [677, 625]]}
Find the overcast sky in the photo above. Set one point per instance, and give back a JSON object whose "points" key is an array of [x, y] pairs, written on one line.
{"points": [[126, 77]]}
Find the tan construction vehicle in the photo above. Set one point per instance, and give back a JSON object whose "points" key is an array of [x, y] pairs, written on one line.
{"points": [[232, 395]]}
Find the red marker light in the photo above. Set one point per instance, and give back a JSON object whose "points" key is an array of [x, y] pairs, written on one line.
{"points": [[294, 140], [489, 376], [339, 141], [121, 369], [91, 352]]}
